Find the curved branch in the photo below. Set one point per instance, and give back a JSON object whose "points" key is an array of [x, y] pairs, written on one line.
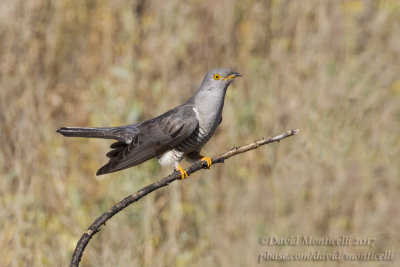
{"points": [[95, 227]]}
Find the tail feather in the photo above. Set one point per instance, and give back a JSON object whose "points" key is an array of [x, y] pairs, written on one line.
{"points": [[105, 132]]}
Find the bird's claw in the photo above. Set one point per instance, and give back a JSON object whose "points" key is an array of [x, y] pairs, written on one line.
{"points": [[207, 160], [182, 171]]}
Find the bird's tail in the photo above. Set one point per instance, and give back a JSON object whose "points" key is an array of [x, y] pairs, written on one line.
{"points": [[103, 132]]}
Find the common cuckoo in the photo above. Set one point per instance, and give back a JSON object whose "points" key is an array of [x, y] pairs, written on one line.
{"points": [[178, 133]]}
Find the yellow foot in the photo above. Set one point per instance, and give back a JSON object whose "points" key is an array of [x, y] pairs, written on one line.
{"points": [[208, 160], [182, 171]]}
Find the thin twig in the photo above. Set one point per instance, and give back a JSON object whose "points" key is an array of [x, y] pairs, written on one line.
{"points": [[95, 227]]}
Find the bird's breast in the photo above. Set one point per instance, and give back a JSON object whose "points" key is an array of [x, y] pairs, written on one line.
{"points": [[208, 120], [195, 141]]}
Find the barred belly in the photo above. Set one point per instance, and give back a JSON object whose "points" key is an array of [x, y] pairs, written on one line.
{"points": [[194, 142]]}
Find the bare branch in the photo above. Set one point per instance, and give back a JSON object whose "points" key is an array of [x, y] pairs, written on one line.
{"points": [[95, 227]]}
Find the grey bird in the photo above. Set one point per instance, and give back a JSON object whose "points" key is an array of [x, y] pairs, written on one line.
{"points": [[179, 133]]}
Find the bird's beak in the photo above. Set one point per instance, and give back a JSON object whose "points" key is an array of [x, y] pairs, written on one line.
{"points": [[232, 76]]}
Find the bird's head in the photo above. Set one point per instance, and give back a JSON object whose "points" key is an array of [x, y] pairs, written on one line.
{"points": [[219, 79]]}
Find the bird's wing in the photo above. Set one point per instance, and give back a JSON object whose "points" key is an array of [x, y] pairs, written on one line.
{"points": [[154, 137]]}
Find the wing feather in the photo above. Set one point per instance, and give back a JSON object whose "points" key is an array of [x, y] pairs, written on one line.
{"points": [[153, 138]]}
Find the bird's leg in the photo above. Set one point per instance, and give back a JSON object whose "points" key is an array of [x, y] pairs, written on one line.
{"points": [[182, 171], [208, 160], [195, 155]]}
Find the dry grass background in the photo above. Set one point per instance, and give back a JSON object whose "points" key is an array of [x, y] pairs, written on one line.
{"points": [[329, 68]]}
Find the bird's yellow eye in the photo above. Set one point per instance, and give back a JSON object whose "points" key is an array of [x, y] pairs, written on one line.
{"points": [[217, 76]]}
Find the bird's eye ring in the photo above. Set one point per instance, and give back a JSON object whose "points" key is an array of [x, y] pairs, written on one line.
{"points": [[217, 77]]}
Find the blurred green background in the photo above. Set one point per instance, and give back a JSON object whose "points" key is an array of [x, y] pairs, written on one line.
{"points": [[329, 68]]}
